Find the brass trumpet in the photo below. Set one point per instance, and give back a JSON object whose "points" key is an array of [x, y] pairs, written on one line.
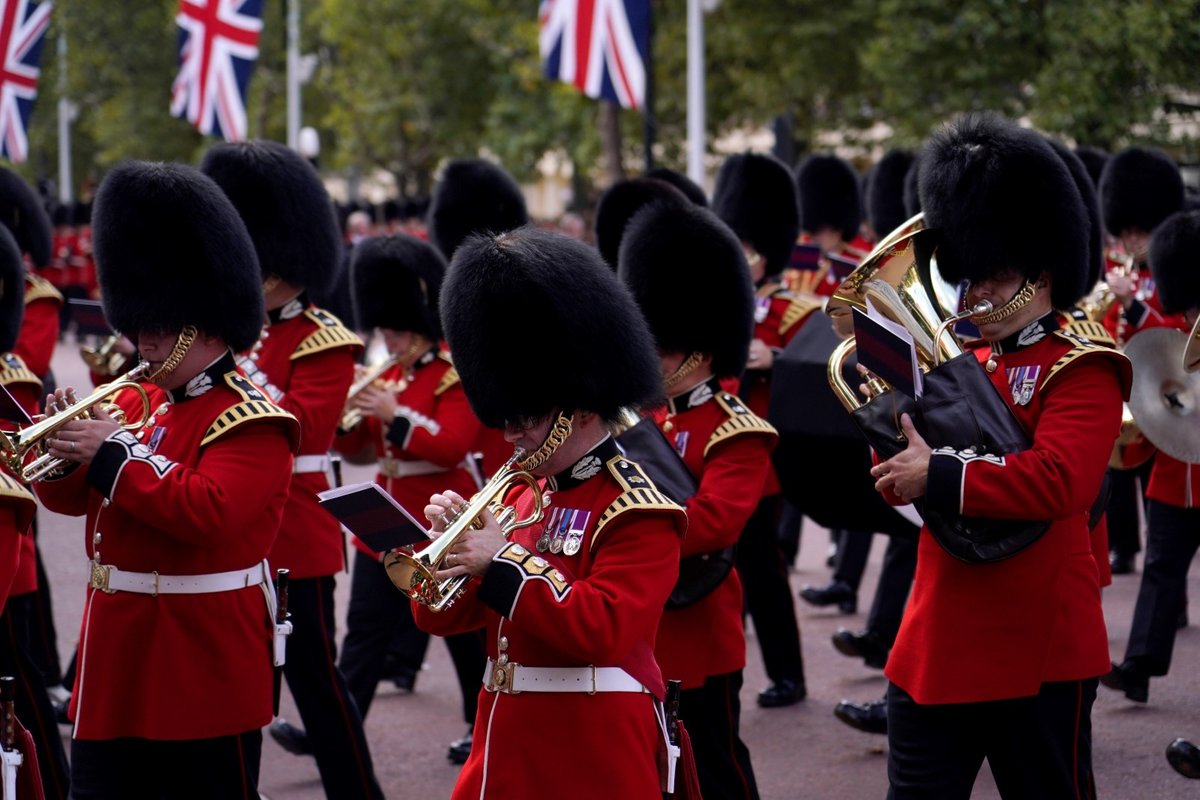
{"points": [[413, 572], [16, 447], [352, 416], [105, 359]]}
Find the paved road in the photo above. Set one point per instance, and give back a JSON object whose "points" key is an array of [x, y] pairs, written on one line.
{"points": [[798, 752]]}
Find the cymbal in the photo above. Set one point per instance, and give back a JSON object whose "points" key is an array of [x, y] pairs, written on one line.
{"points": [[1165, 399], [1191, 353]]}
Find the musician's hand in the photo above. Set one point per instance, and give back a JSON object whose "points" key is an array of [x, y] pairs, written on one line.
{"points": [[474, 550], [375, 402], [907, 472], [761, 356], [864, 388], [1122, 286], [78, 440], [439, 506]]}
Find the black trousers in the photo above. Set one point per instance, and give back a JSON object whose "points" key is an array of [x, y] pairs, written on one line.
{"points": [[853, 549], [32, 704], [1126, 493], [42, 641], [1172, 536], [790, 521], [371, 624], [224, 768], [327, 710], [768, 594], [1037, 747], [891, 593], [712, 715]]}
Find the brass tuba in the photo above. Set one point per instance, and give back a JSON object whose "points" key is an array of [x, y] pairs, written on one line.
{"points": [[1165, 398], [414, 571], [16, 447], [351, 416]]}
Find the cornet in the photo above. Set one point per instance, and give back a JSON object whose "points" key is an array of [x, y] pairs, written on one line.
{"points": [[413, 572], [352, 416], [105, 358], [16, 447]]}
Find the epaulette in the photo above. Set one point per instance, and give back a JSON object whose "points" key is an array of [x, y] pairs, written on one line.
{"points": [[254, 407], [449, 377], [741, 420], [330, 333], [38, 288], [13, 371], [1092, 331], [800, 308], [12, 490], [637, 492], [1081, 348]]}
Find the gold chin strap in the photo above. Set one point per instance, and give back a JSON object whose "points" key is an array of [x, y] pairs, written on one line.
{"points": [[182, 345], [558, 434], [690, 364], [1018, 301], [270, 283]]}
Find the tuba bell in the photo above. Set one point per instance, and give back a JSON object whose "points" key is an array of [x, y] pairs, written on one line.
{"points": [[1165, 398]]}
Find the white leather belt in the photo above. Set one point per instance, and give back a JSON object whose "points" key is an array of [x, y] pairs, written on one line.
{"points": [[109, 580], [396, 468], [320, 463], [513, 678]]}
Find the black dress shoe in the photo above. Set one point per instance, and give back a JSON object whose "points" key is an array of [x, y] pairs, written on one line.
{"points": [[867, 645], [1185, 758], [837, 592], [1128, 678], [1120, 563], [866, 717], [784, 693], [460, 749], [290, 737]]}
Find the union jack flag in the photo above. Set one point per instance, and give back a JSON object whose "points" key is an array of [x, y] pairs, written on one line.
{"points": [[218, 43], [22, 30], [600, 46]]}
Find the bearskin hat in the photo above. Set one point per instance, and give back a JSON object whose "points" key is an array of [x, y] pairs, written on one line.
{"points": [[285, 207], [171, 250], [754, 195], [682, 182], [22, 213], [618, 205], [473, 196], [12, 290], [1173, 261], [1139, 188], [1091, 203], [1093, 159], [912, 189], [536, 291], [397, 281], [81, 213], [1004, 200], [61, 215], [688, 272], [885, 192], [829, 196]]}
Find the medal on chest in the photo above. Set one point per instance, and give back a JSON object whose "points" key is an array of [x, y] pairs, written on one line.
{"points": [[564, 531], [762, 307], [681, 440], [1022, 382]]}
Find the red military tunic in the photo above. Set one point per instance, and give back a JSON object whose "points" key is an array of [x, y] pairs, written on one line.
{"points": [[201, 491], [26, 389], [597, 606], [305, 364], [728, 449], [422, 452], [17, 508], [978, 632], [39, 326]]}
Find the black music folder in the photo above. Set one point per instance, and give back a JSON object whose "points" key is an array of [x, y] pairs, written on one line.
{"points": [[371, 514]]}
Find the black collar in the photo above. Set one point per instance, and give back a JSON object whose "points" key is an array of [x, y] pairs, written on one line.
{"points": [[1031, 334], [591, 464], [292, 308], [698, 395], [430, 356], [202, 381]]}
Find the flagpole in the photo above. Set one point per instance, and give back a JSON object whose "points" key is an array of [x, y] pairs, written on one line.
{"points": [[65, 112], [293, 74], [695, 91]]}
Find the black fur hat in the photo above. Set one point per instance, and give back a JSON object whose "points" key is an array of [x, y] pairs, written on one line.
{"points": [[829, 196], [885, 192], [172, 251], [397, 281], [1004, 200], [541, 293], [682, 182], [22, 213], [618, 205], [285, 207], [1091, 203], [1174, 249], [912, 189], [1139, 188], [688, 272], [12, 291], [754, 195], [473, 196], [1093, 159]]}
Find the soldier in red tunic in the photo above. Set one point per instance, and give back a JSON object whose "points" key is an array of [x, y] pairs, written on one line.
{"points": [[688, 272], [999, 661], [304, 361], [570, 702], [174, 678]]}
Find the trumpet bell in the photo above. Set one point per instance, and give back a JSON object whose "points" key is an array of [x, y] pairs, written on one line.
{"points": [[1165, 399]]}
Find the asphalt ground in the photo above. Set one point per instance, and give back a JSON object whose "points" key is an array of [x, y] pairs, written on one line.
{"points": [[800, 751]]}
